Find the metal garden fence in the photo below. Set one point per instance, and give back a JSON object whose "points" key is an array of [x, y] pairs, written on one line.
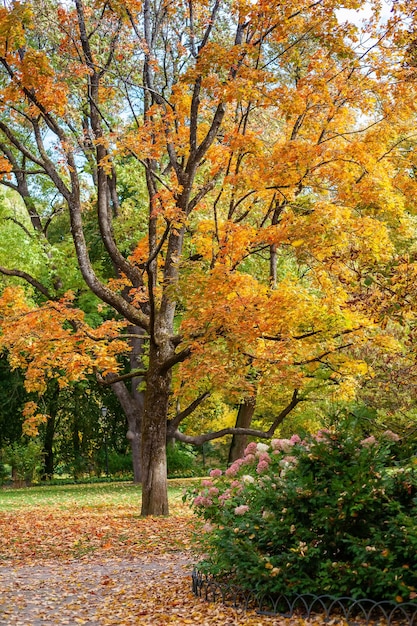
{"points": [[350, 610]]}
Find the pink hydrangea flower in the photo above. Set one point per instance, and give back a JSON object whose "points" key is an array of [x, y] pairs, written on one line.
{"points": [[369, 441], [242, 509], [207, 528], [206, 483], [321, 434], [262, 466], [249, 458], [250, 448], [213, 491], [234, 468], [264, 457], [284, 445], [202, 501], [224, 496], [388, 434], [289, 459], [216, 473]]}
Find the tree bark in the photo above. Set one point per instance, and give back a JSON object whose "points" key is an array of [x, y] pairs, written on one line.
{"points": [[48, 458], [243, 420], [133, 412], [154, 433]]}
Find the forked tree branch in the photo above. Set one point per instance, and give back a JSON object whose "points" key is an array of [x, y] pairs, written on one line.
{"points": [[198, 440]]}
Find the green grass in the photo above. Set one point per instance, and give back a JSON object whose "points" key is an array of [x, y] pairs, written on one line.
{"points": [[97, 495]]}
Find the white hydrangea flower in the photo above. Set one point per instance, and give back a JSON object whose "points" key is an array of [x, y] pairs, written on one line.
{"points": [[247, 479]]}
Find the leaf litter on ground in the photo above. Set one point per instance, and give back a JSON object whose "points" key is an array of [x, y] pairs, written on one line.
{"points": [[63, 561]]}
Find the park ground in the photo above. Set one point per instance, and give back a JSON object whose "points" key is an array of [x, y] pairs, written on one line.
{"points": [[83, 555]]}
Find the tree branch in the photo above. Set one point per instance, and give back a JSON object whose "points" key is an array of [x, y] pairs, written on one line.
{"points": [[111, 379], [29, 279], [198, 440], [175, 422], [174, 360]]}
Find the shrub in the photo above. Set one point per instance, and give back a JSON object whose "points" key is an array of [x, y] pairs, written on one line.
{"points": [[4, 473], [25, 460], [181, 461], [331, 514]]}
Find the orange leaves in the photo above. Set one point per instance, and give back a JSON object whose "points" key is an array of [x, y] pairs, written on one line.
{"points": [[236, 325], [148, 141], [33, 419], [36, 75], [54, 341], [32, 77], [5, 167]]}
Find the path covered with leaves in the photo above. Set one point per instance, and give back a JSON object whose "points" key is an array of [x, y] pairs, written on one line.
{"points": [[88, 558]]}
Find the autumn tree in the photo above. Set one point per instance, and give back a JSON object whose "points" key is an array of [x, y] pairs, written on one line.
{"points": [[266, 145]]}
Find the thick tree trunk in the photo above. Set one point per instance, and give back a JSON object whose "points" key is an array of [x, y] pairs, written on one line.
{"points": [[243, 420], [154, 434], [136, 362]]}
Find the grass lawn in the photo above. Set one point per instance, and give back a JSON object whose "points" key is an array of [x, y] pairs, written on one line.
{"points": [[93, 495]]}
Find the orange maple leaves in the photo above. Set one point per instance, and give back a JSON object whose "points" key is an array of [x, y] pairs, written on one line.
{"points": [[54, 341]]}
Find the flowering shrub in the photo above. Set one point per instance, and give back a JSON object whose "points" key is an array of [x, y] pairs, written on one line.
{"points": [[331, 514]]}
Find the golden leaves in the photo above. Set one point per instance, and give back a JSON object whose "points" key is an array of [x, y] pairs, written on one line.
{"points": [[33, 80], [33, 419], [13, 23], [54, 341]]}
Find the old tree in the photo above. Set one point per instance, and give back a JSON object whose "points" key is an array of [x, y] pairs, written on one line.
{"points": [[245, 169]]}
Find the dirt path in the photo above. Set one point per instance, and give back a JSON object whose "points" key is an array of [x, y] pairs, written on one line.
{"points": [[112, 591]]}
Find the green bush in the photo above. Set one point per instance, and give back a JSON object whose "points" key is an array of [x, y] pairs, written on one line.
{"points": [[4, 473], [181, 461], [25, 460], [119, 464], [331, 514]]}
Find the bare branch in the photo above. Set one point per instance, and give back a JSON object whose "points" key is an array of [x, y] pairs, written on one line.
{"points": [[175, 422], [198, 440], [111, 379], [29, 279]]}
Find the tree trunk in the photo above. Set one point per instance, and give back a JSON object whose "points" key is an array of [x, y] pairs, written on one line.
{"points": [[243, 420], [133, 402], [134, 436], [136, 362], [154, 433], [48, 453], [133, 412]]}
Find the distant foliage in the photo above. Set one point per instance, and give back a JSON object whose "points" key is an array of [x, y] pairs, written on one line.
{"points": [[24, 459], [182, 461], [330, 514]]}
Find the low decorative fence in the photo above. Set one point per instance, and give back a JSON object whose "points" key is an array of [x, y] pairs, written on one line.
{"points": [[351, 611]]}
